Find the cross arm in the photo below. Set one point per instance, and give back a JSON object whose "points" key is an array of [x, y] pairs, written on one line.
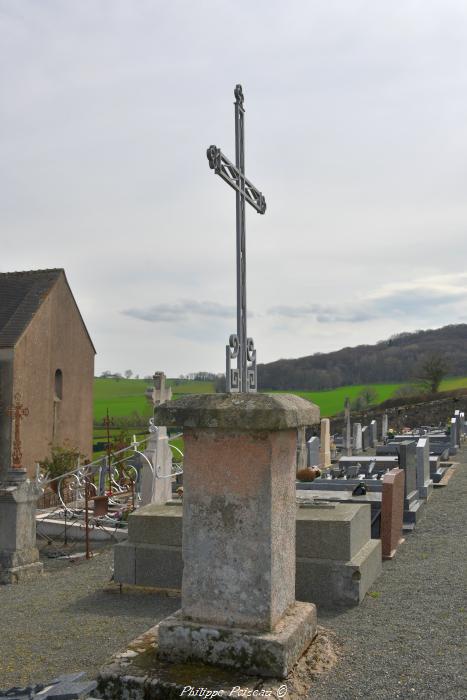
{"points": [[231, 175]]}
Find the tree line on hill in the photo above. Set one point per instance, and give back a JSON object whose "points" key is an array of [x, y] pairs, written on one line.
{"points": [[401, 358]]}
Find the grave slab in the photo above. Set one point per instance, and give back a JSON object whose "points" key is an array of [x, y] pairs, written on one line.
{"points": [[331, 545]]}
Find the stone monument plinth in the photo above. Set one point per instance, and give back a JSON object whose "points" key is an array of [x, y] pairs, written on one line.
{"points": [[19, 556], [238, 586]]}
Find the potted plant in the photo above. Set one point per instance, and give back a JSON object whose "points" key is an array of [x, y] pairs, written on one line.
{"points": [[62, 459]]}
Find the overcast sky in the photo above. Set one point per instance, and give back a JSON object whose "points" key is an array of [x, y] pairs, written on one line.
{"points": [[356, 132]]}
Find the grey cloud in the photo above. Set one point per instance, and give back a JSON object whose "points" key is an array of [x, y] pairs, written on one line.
{"points": [[181, 311], [408, 302], [412, 302], [322, 313]]}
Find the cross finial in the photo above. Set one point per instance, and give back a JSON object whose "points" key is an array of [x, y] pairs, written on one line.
{"points": [[240, 348], [238, 92], [17, 413]]}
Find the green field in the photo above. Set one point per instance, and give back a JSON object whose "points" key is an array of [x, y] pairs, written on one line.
{"points": [[331, 401], [124, 396]]}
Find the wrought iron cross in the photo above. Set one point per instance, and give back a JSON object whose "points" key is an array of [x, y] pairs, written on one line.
{"points": [[243, 378], [17, 412]]}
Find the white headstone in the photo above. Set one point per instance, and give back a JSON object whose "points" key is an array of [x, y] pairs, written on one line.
{"points": [[454, 437], [325, 443], [313, 451], [384, 426], [357, 437], [156, 483]]}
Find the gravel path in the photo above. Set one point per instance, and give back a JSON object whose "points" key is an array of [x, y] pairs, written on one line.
{"points": [[66, 621], [404, 641], [408, 641]]}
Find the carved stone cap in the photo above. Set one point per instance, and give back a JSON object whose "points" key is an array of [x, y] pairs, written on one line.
{"points": [[244, 412]]}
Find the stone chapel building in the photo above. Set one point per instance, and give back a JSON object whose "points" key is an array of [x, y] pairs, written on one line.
{"points": [[46, 356]]}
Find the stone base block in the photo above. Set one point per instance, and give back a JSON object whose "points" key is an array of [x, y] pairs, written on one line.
{"points": [[412, 514], [266, 654], [18, 574], [331, 583], [426, 491]]}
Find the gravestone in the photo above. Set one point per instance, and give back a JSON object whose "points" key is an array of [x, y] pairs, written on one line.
{"points": [[325, 444], [457, 416], [384, 426], [424, 483], [462, 417], [454, 441], [365, 438], [238, 587], [156, 482], [347, 447], [302, 452], [313, 452], [357, 437], [160, 392], [413, 506], [373, 434], [392, 512]]}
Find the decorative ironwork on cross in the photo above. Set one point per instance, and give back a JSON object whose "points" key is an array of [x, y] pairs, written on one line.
{"points": [[243, 378], [17, 413]]}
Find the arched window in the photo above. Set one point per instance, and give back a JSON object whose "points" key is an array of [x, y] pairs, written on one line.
{"points": [[58, 384]]}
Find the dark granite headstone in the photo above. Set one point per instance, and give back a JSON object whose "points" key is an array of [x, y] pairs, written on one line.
{"points": [[408, 462]]}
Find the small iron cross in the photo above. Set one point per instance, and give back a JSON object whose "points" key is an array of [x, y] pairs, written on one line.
{"points": [[17, 412], [243, 378]]}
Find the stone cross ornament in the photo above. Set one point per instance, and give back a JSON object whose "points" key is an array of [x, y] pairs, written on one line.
{"points": [[243, 378], [17, 413]]}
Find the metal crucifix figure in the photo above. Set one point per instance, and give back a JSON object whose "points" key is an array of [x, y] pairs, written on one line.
{"points": [[243, 378]]}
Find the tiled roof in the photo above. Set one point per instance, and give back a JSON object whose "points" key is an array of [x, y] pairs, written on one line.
{"points": [[21, 294]]}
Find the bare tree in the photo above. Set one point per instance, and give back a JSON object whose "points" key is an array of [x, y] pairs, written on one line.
{"points": [[128, 373], [431, 372]]}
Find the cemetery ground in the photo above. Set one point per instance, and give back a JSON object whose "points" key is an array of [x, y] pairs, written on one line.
{"points": [[404, 641]]}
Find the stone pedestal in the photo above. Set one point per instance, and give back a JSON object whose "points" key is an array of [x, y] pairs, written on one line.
{"points": [[238, 586], [19, 557]]}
